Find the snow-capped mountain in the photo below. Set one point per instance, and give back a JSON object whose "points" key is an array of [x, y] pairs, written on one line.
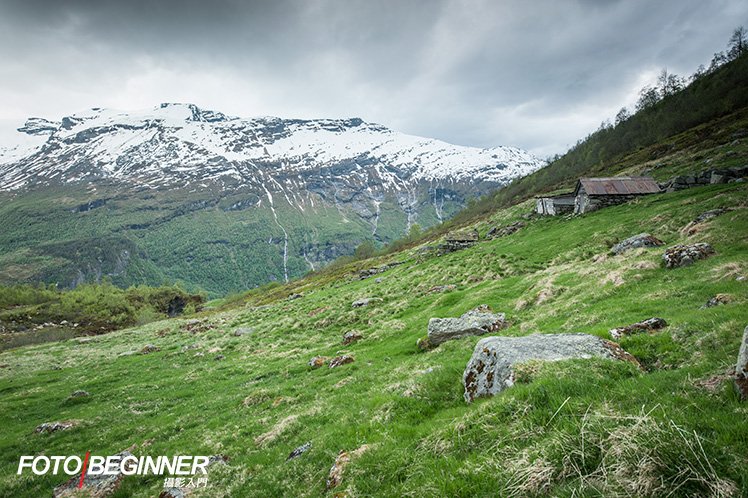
{"points": [[177, 143], [179, 192]]}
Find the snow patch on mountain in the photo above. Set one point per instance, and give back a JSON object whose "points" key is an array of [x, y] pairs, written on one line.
{"points": [[178, 143]]}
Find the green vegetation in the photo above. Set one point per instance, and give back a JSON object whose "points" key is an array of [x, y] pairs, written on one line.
{"points": [[31, 314], [592, 428]]}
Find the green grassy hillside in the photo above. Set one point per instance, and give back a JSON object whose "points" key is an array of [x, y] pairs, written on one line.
{"points": [[572, 428]]}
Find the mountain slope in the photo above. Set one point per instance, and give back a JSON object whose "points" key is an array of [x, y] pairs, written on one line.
{"points": [[222, 203]]}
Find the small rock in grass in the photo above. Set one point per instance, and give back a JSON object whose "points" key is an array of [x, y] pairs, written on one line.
{"points": [[299, 451], [50, 427], [360, 303], [219, 357], [317, 361], [79, 394], [478, 321], [243, 331], [94, 486], [641, 240], [351, 337], [685, 255], [635, 328], [295, 296], [341, 360], [149, 348], [717, 300]]}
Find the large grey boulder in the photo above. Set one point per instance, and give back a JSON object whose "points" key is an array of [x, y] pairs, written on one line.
{"points": [[741, 369], [640, 240], [478, 321], [491, 368]]}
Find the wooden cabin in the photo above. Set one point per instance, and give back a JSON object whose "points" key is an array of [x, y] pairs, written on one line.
{"points": [[594, 193]]}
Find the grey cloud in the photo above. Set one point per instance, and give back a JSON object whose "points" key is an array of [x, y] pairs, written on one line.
{"points": [[537, 74]]}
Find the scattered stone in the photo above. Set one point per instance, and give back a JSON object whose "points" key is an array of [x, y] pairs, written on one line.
{"points": [[340, 360], [94, 486], [378, 280], [370, 272], [79, 394], [149, 348], [295, 296], [740, 278], [366, 301], [741, 368], [50, 427], [491, 368], [708, 215], [497, 232], [335, 477], [299, 451], [479, 321], [684, 255], [351, 337], [219, 357], [195, 326], [243, 331], [639, 327], [442, 288], [317, 361], [717, 300], [641, 240]]}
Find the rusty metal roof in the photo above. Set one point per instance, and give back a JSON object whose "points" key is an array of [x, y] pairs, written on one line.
{"points": [[619, 185]]}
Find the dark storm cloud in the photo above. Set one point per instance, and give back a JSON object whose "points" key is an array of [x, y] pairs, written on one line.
{"points": [[536, 74]]}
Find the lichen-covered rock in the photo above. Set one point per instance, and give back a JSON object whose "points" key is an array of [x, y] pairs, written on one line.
{"points": [[340, 360], [741, 368], [638, 327], [684, 255], [640, 240], [94, 486], [478, 321], [351, 336], [491, 368]]}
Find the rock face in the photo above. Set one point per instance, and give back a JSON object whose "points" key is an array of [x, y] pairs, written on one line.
{"points": [[95, 486], [684, 255], [490, 369], [635, 328], [741, 368], [641, 240], [479, 321]]}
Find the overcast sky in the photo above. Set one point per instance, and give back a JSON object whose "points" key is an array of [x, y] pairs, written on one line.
{"points": [[536, 74]]}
